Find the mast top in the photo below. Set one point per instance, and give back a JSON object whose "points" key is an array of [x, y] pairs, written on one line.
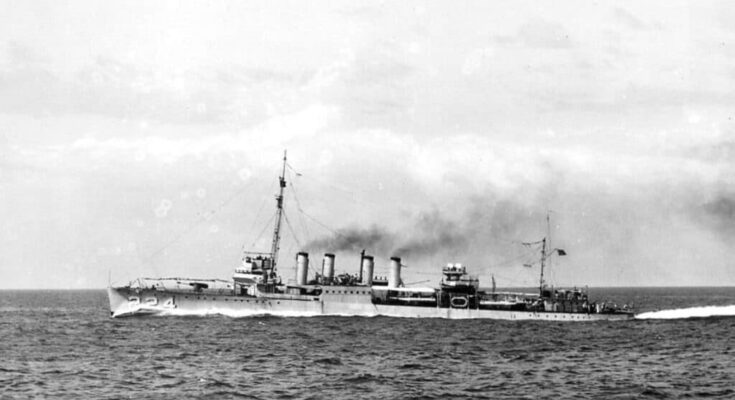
{"points": [[283, 171]]}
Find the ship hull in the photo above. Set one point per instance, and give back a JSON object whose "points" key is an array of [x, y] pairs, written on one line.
{"points": [[336, 301]]}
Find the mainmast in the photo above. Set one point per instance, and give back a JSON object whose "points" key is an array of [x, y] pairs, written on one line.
{"points": [[547, 252], [548, 235], [543, 260], [279, 213]]}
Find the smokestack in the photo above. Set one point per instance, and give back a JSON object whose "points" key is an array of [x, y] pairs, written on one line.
{"points": [[302, 268], [394, 277], [328, 267], [367, 270]]}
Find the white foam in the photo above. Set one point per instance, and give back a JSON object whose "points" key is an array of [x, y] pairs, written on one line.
{"points": [[242, 313], [692, 312]]}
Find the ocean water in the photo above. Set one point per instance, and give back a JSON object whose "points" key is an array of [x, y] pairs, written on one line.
{"points": [[62, 344]]}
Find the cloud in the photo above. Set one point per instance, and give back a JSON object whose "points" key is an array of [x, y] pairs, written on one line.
{"points": [[627, 18], [276, 131], [374, 84], [476, 60], [109, 87], [17, 55], [538, 34]]}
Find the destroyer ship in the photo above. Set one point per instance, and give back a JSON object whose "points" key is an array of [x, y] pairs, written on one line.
{"points": [[256, 288]]}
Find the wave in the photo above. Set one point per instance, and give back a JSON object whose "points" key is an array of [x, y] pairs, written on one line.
{"points": [[691, 312]]}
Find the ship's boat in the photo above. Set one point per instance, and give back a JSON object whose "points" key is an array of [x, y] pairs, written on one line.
{"points": [[256, 288]]}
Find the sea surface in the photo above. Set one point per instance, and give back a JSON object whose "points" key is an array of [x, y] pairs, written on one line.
{"points": [[63, 344]]}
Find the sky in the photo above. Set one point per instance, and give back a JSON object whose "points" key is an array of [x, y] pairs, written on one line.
{"points": [[145, 138]]}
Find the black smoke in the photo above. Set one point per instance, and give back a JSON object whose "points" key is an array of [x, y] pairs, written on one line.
{"points": [[487, 226], [354, 239], [720, 213]]}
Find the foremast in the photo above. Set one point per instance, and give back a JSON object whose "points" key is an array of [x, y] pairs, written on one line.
{"points": [[260, 267], [279, 214]]}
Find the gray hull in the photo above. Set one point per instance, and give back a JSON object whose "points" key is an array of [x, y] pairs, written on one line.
{"points": [[341, 301]]}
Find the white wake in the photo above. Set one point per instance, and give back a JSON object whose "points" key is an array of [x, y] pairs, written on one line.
{"points": [[241, 313], [692, 312]]}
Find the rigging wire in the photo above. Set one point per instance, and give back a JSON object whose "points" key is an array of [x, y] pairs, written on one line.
{"points": [[203, 217], [298, 204], [311, 267], [257, 215], [290, 228], [333, 231], [330, 184], [302, 214], [262, 231], [354, 196], [292, 169]]}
